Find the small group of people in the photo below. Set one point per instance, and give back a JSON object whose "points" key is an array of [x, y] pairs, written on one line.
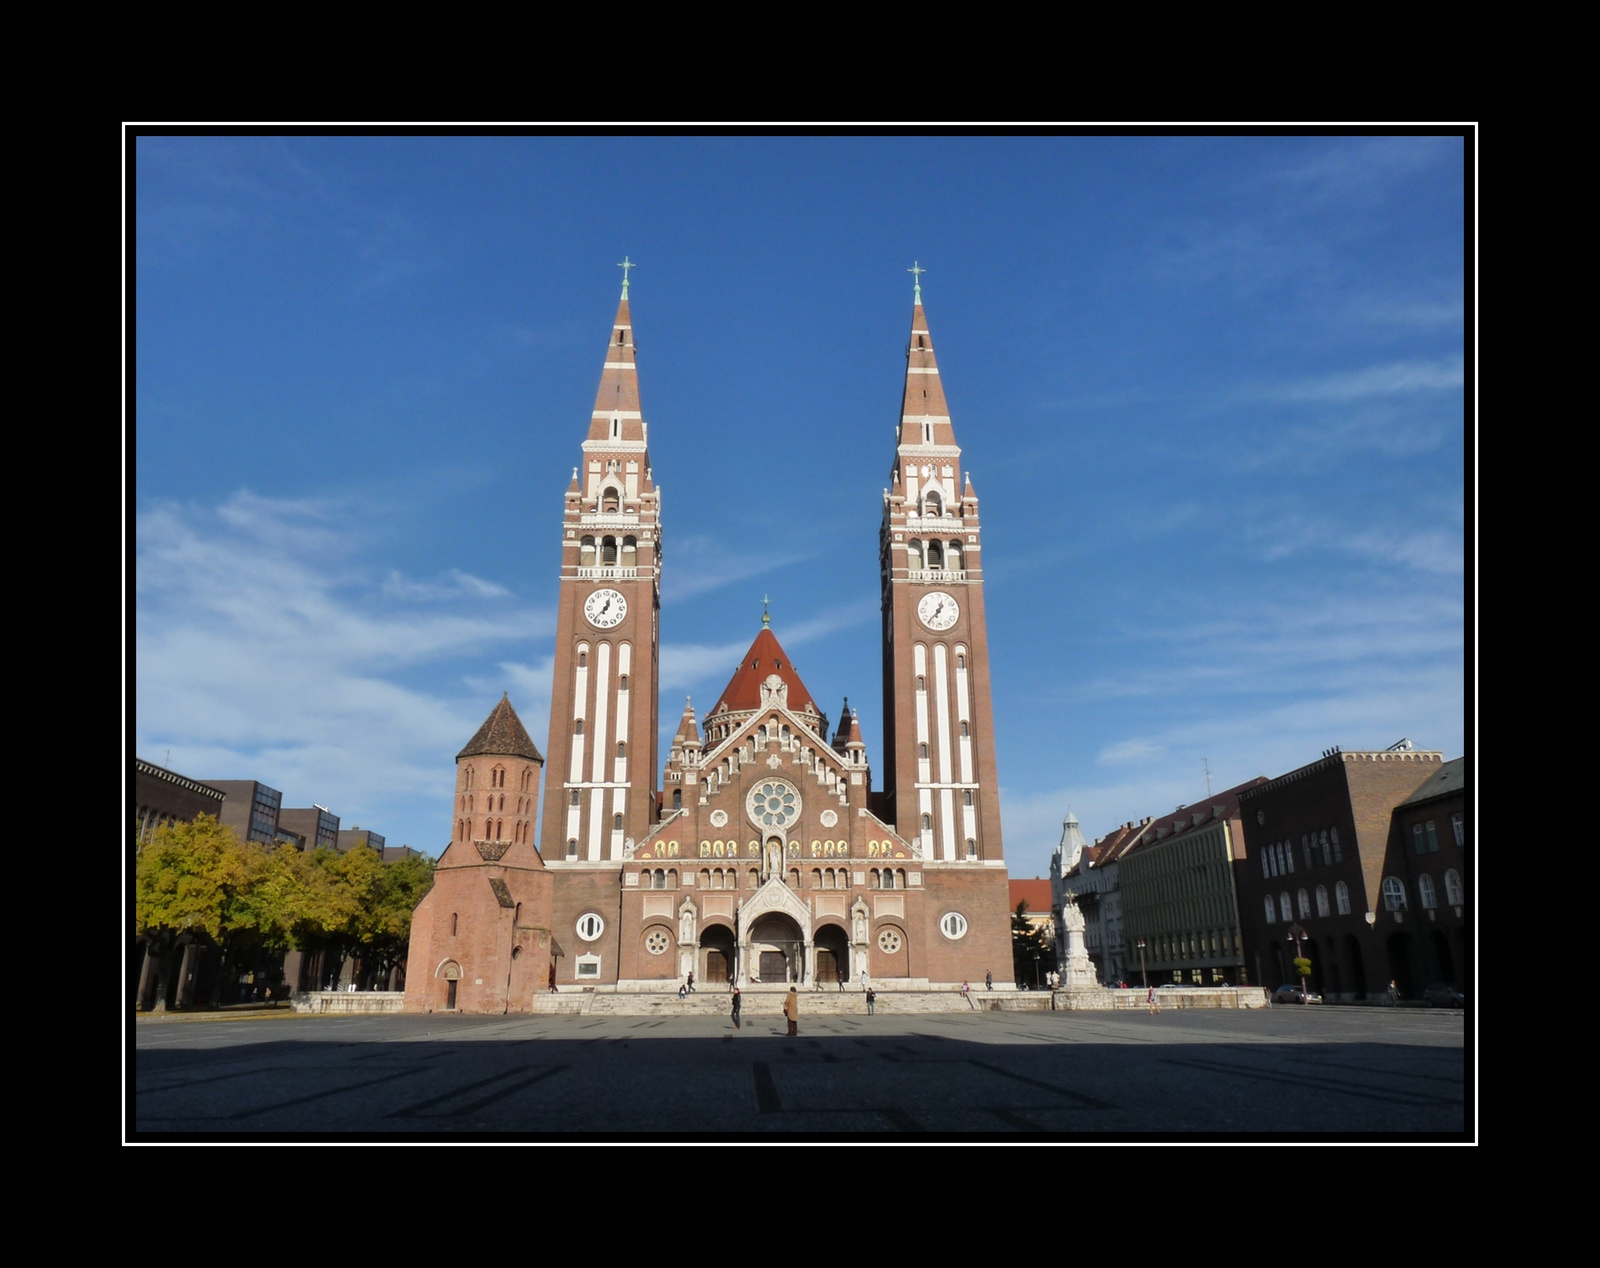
{"points": [[686, 989], [791, 1004]]}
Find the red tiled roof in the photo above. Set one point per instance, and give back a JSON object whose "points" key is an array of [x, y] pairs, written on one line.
{"points": [[502, 735], [1037, 894], [765, 657]]}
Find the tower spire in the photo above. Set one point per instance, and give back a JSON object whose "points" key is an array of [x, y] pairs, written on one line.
{"points": [[916, 270], [924, 415], [625, 266], [617, 414]]}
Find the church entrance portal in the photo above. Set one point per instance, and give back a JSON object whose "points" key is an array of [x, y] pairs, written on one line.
{"points": [[833, 955], [777, 950], [716, 944]]}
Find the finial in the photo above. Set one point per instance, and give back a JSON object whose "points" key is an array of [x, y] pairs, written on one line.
{"points": [[915, 269], [625, 266], [766, 621]]}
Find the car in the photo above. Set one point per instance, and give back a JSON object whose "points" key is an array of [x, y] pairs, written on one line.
{"points": [[1288, 994], [1443, 995]]}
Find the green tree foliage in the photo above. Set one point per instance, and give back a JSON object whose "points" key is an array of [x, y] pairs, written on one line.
{"points": [[198, 881], [1028, 940]]}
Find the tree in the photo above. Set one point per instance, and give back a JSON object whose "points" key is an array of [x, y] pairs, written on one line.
{"points": [[1030, 946], [361, 906], [187, 878]]}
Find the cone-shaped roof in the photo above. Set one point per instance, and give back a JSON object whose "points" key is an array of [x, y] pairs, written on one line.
{"points": [[765, 657], [502, 735], [688, 728], [923, 401], [618, 394]]}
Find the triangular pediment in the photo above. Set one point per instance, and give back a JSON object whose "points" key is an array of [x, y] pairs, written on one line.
{"points": [[797, 725], [771, 897]]}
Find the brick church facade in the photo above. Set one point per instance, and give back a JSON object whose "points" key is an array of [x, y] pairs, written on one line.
{"points": [[766, 856]]}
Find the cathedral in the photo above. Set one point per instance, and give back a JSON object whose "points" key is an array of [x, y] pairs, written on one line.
{"points": [[764, 856]]}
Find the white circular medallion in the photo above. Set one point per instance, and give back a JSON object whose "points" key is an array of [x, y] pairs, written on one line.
{"points": [[773, 804], [656, 942], [889, 941], [590, 926], [604, 609], [953, 925], [719, 818], [938, 611], [829, 818]]}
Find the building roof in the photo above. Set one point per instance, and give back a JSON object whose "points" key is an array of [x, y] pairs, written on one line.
{"points": [[1449, 778], [502, 735], [765, 657], [1036, 893]]}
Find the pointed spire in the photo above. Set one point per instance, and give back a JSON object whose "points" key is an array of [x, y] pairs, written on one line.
{"points": [[625, 266], [924, 415], [617, 414], [574, 487], [688, 729]]}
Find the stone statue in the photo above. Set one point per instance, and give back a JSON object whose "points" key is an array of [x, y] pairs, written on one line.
{"points": [[686, 923], [1077, 970], [861, 924], [1071, 917]]}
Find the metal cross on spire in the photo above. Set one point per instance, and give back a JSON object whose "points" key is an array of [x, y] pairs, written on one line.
{"points": [[917, 269], [625, 266], [766, 621]]}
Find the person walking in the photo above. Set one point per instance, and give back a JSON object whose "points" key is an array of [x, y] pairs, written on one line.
{"points": [[1150, 998], [966, 994], [1394, 991], [791, 1010], [552, 975], [872, 999], [841, 981], [736, 1002], [988, 981], [691, 981]]}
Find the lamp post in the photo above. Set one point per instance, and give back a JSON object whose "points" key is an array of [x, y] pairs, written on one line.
{"points": [[1144, 978], [1297, 935], [1035, 970]]}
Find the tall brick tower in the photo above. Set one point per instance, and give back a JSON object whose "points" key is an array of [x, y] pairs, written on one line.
{"points": [[939, 763], [600, 795]]}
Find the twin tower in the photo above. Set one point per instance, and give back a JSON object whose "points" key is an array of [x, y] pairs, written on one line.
{"points": [[765, 856]]}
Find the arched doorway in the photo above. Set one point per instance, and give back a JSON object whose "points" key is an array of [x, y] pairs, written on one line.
{"points": [[1358, 966], [833, 955], [777, 950], [1400, 964], [1442, 958], [716, 955]]}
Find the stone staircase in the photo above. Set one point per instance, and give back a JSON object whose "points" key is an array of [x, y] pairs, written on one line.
{"points": [[768, 1002]]}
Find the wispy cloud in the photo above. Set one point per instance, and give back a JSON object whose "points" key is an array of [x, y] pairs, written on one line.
{"points": [[1379, 380], [702, 564], [1127, 751], [266, 649]]}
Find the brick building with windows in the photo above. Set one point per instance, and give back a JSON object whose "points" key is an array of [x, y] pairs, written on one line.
{"points": [[1326, 857], [164, 796], [767, 858]]}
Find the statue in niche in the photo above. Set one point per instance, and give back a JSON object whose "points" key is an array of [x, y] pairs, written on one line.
{"points": [[686, 924], [861, 924]]}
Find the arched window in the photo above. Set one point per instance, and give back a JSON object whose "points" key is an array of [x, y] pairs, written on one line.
{"points": [[572, 847], [794, 878], [927, 823], [577, 727], [967, 796], [1272, 911], [922, 751], [622, 683], [1266, 864], [616, 823], [583, 660], [1425, 894], [972, 848], [610, 502], [630, 551], [622, 749], [1333, 840], [932, 505], [1284, 907], [661, 878], [1288, 857], [677, 799], [586, 553], [961, 660], [1322, 900], [914, 554], [672, 878], [964, 731], [922, 683], [705, 878], [1341, 898], [816, 878], [454, 918], [608, 551], [935, 553], [876, 879], [1305, 905], [952, 555], [1453, 893], [1394, 893]]}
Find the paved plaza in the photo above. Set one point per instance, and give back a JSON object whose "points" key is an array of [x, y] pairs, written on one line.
{"points": [[1297, 1071]]}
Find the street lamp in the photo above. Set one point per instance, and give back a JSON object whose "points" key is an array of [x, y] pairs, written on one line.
{"points": [[1297, 935], [1144, 978], [1035, 970]]}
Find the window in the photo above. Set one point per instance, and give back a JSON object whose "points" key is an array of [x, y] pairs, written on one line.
{"points": [[616, 823], [888, 878], [1458, 825], [1341, 898], [1416, 839], [1285, 907], [577, 727], [963, 730], [454, 920], [1327, 851], [922, 683], [972, 848], [961, 661], [1394, 893], [889, 941], [922, 751], [1288, 857], [967, 797], [660, 879], [1272, 911], [590, 926], [622, 749], [574, 796], [927, 823], [656, 942], [1333, 838], [1266, 864], [677, 799], [953, 926], [1425, 894], [572, 847], [1322, 900], [622, 683], [1433, 838], [1305, 905], [1453, 893]]}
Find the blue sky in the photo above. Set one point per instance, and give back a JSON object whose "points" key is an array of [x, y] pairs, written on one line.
{"points": [[1211, 391]]}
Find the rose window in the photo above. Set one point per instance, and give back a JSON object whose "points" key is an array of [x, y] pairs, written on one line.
{"points": [[656, 942], [889, 941], [773, 803]]}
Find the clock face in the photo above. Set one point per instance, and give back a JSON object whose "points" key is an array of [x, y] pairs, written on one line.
{"points": [[605, 608], [938, 610]]}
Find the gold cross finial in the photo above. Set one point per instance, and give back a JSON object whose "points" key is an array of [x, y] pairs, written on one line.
{"points": [[917, 270], [766, 621], [625, 266]]}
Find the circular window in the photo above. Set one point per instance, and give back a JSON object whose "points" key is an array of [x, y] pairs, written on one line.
{"points": [[889, 941], [953, 926], [773, 803], [590, 926], [656, 942]]}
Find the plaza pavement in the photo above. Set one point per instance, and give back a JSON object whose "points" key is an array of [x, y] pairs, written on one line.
{"points": [[1370, 1073]]}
